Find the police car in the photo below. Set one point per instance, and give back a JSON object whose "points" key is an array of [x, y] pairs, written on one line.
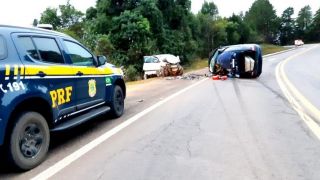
{"points": [[50, 82]]}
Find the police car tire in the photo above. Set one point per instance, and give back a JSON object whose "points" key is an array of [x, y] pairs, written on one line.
{"points": [[117, 103], [24, 121]]}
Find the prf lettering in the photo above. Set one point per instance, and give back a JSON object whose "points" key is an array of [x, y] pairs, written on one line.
{"points": [[60, 96]]}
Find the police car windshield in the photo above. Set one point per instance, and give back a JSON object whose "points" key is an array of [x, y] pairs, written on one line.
{"points": [[3, 48]]}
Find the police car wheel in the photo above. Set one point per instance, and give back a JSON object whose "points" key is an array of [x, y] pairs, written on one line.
{"points": [[117, 104], [29, 141]]}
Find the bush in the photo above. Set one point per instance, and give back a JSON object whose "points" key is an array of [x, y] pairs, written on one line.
{"points": [[131, 73], [104, 46]]}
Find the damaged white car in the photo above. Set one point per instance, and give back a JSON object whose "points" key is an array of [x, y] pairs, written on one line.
{"points": [[162, 65]]}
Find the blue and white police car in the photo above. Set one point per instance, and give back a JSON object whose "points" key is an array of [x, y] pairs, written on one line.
{"points": [[50, 82]]}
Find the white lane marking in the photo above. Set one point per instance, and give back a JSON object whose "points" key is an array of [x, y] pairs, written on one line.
{"points": [[315, 111], [86, 148], [296, 99]]}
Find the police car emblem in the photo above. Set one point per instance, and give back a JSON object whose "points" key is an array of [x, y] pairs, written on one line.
{"points": [[92, 87]]}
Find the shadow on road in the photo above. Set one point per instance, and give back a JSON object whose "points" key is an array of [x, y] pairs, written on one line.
{"points": [[59, 140]]}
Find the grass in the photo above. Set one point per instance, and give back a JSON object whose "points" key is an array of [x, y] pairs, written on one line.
{"points": [[269, 49], [196, 64]]}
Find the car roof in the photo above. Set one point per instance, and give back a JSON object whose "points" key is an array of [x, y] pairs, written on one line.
{"points": [[164, 55], [240, 47], [19, 29]]}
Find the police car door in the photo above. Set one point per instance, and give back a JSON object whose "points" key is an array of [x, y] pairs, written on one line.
{"points": [[90, 79], [46, 73]]}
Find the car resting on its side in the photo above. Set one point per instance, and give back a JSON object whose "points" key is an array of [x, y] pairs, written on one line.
{"points": [[243, 60]]}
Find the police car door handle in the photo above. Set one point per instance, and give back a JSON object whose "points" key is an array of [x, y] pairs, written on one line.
{"points": [[79, 73], [41, 74]]}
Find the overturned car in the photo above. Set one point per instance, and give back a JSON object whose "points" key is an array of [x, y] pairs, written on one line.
{"points": [[243, 60]]}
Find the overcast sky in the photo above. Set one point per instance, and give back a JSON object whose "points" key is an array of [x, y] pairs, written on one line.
{"points": [[22, 12]]}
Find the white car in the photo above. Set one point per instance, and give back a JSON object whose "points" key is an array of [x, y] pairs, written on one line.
{"points": [[298, 42], [155, 65]]}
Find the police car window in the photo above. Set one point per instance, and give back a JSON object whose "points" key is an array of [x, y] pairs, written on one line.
{"points": [[3, 48], [28, 47], [48, 49], [79, 56]]}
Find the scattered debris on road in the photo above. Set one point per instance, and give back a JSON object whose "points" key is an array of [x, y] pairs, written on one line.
{"points": [[141, 100], [188, 77]]}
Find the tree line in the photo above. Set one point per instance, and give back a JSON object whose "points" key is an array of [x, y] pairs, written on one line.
{"points": [[126, 30]]}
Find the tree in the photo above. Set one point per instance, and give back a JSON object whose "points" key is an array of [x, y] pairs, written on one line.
{"points": [[206, 37], [116, 7], [263, 19], [50, 16], [69, 15], [233, 36], [91, 13], [104, 46], [69, 22], [210, 8], [221, 36], [287, 26], [314, 34], [303, 21], [149, 10], [242, 28], [130, 35]]}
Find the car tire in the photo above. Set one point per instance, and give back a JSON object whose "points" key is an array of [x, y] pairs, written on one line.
{"points": [[29, 141], [117, 102]]}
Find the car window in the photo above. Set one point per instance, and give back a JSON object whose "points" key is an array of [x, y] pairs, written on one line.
{"points": [[149, 59], [79, 56], [48, 49], [3, 48], [28, 47]]}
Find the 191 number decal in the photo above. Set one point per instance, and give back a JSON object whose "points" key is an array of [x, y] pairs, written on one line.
{"points": [[12, 87]]}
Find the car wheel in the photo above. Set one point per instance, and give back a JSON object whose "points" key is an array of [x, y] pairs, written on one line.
{"points": [[29, 141], [117, 103]]}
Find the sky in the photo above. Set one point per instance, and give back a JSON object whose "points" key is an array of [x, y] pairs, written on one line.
{"points": [[22, 12]]}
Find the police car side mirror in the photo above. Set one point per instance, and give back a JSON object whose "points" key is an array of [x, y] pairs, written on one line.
{"points": [[101, 60]]}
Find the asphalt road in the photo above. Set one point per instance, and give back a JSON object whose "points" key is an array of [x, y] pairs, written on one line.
{"points": [[233, 129]]}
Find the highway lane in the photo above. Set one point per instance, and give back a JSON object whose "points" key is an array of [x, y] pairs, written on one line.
{"points": [[139, 97], [304, 73], [234, 129]]}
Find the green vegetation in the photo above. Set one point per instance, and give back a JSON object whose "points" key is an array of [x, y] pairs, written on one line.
{"points": [[126, 30], [196, 64], [269, 49]]}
